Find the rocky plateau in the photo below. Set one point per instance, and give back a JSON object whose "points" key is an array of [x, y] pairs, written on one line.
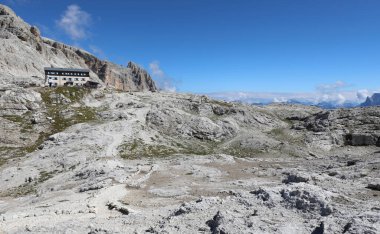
{"points": [[102, 161], [108, 161]]}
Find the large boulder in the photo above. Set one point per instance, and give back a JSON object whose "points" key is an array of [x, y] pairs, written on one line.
{"points": [[356, 127], [362, 139]]}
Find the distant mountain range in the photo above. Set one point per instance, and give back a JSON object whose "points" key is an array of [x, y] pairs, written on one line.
{"points": [[262, 99], [374, 100], [370, 101], [326, 104]]}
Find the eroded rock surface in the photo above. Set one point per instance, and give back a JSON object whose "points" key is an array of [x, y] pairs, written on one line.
{"points": [[169, 163]]}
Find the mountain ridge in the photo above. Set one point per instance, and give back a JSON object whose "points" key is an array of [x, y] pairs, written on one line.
{"points": [[26, 53], [374, 100]]}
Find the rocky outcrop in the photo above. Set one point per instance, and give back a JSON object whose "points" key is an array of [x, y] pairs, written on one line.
{"points": [[356, 126], [372, 101], [130, 78], [20, 109], [25, 54], [363, 139], [181, 124], [307, 198]]}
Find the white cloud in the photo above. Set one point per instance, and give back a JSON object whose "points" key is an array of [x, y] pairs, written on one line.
{"points": [[336, 93], [333, 87], [75, 22], [339, 98], [156, 70], [323, 98], [363, 94], [263, 97], [279, 99], [163, 81]]}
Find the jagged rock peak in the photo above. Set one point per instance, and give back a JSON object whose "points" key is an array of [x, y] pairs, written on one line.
{"points": [[137, 69], [372, 101], [142, 77], [4, 10]]}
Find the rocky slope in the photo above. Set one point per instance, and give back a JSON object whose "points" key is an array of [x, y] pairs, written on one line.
{"points": [[108, 162], [24, 54], [372, 101]]}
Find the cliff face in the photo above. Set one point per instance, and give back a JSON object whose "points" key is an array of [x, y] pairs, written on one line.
{"points": [[24, 54]]}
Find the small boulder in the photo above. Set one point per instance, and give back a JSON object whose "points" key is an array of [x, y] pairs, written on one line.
{"points": [[351, 162], [35, 31], [261, 194], [117, 207], [215, 223], [296, 177], [374, 186]]}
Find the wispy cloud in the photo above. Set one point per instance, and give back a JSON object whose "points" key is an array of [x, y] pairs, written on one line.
{"points": [[75, 22], [362, 94], [156, 70], [163, 81], [332, 87]]}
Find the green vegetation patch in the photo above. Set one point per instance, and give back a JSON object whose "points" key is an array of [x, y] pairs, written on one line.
{"points": [[242, 152], [28, 187], [137, 148], [79, 115], [7, 153], [197, 147], [3, 160], [220, 103], [59, 122], [33, 147], [22, 190], [57, 112], [22, 120], [75, 94], [44, 175], [282, 134], [14, 118]]}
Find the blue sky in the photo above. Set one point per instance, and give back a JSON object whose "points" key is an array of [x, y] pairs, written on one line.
{"points": [[280, 47]]}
